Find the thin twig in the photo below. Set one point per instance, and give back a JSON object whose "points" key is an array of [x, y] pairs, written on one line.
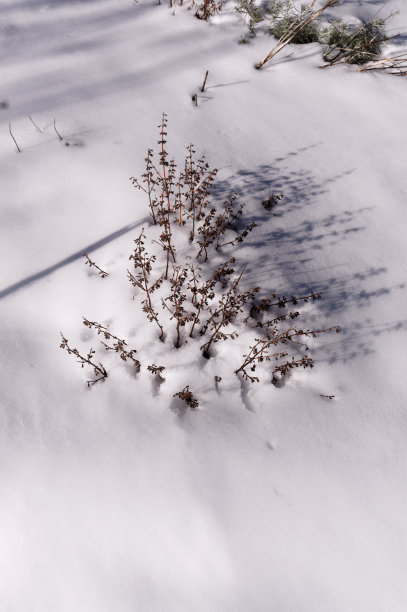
{"points": [[204, 81], [92, 264], [394, 65], [57, 133], [35, 125], [15, 141]]}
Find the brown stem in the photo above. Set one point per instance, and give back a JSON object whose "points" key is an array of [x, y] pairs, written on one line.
{"points": [[35, 125], [204, 81], [56, 131], [207, 346], [195, 321], [15, 141]]}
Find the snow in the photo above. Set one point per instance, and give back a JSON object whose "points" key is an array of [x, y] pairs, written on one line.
{"points": [[262, 499]]}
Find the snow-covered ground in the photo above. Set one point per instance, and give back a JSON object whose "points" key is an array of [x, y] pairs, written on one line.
{"points": [[264, 499]]}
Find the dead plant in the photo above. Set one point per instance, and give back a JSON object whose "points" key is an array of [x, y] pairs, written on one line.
{"points": [[297, 26], [98, 368], [187, 396], [92, 264], [206, 300], [157, 371], [119, 346]]}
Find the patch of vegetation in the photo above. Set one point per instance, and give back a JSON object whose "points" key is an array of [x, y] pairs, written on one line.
{"points": [[253, 14], [188, 279], [285, 19], [354, 44]]}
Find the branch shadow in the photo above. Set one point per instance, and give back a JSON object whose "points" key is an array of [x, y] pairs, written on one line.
{"points": [[95, 38], [356, 340], [68, 260], [287, 260], [225, 84], [299, 186]]}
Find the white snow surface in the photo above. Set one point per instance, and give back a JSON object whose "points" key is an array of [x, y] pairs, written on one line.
{"points": [[263, 500]]}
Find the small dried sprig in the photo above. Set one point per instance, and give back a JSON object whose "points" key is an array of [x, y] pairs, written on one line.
{"points": [[214, 227], [290, 364], [150, 181], [157, 371], [177, 299], [165, 177], [271, 202], [204, 293], [330, 397], [119, 345], [197, 179], [175, 197], [230, 219], [230, 305], [241, 236], [187, 396], [273, 301], [98, 368], [92, 264], [260, 351], [143, 264], [207, 8]]}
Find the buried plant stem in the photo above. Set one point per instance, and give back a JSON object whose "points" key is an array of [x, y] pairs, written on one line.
{"points": [[35, 125], [56, 131], [15, 141], [204, 81]]}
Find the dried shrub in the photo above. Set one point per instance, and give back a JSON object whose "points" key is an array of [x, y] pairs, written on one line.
{"points": [[190, 282]]}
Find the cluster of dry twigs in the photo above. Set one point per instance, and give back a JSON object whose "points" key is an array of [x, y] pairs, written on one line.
{"points": [[393, 65], [203, 300], [38, 129]]}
